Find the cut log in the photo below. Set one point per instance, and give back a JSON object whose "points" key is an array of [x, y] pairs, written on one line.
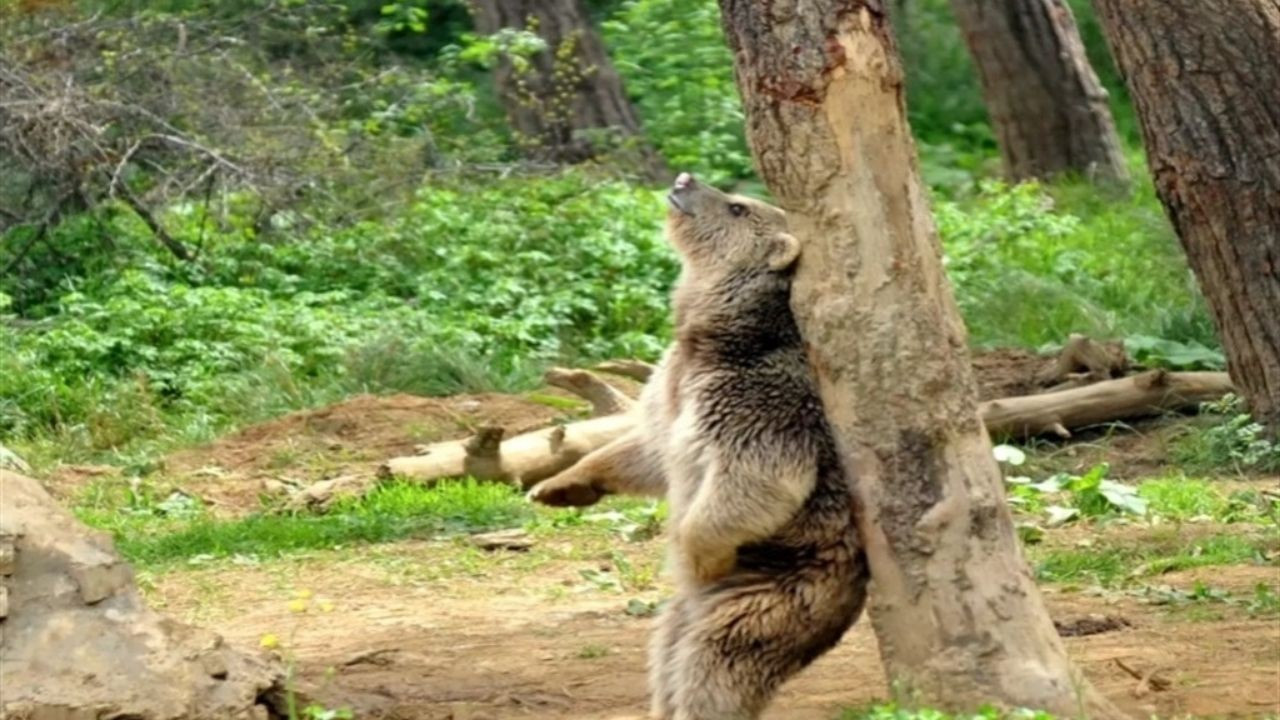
{"points": [[1056, 413], [605, 399], [524, 459]]}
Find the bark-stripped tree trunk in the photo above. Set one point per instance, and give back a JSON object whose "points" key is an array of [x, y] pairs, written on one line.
{"points": [[1205, 77], [958, 616], [566, 104], [1047, 108]]}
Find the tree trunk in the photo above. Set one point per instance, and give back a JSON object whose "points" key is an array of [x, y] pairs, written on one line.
{"points": [[958, 616], [1047, 108], [566, 104], [1205, 76]]}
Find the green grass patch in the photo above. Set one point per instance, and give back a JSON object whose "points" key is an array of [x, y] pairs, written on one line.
{"points": [[1112, 566], [155, 530], [1182, 498], [390, 512], [893, 711]]}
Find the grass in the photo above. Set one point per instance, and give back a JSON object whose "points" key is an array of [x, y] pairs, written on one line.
{"points": [[389, 512], [893, 711], [1154, 555], [155, 531]]}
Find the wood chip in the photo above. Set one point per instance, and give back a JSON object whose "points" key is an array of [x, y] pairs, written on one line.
{"points": [[515, 539]]}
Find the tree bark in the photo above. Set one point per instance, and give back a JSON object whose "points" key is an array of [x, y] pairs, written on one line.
{"points": [[567, 103], [1047, 108], [958, 616], [1205, 77]]}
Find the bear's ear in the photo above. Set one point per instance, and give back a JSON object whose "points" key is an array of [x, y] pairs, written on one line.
{"points": [[784, 252]]}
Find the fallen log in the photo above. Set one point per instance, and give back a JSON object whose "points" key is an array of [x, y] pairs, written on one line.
{"points": [[1150, 393], [531, 457], [524, 459]]}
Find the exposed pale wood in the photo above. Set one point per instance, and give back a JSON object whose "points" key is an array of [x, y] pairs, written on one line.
{"points": [[605, 399], [1150, 393], [523, 460]]}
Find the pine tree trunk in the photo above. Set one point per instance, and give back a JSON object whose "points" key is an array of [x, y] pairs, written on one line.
{"points": [[1205, 76], [567, 104], [958, 616], [1047, 108]]}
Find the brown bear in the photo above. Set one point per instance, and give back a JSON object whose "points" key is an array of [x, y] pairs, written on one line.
{"points": [[768, 569]]}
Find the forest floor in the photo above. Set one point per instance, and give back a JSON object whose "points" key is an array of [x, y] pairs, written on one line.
{"points": [[1168, 617]]}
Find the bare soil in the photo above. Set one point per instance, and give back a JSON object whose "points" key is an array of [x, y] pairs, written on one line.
{"points": [[439, 630], [503, 642]]}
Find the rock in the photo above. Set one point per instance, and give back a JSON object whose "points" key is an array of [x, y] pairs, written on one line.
{"points": [[8, 557], [80, 643], [9, 460]]}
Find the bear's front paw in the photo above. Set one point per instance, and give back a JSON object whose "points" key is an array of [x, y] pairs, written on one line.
{"points": [[556, 492]]}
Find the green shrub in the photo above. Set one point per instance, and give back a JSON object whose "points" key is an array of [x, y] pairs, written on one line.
{"points": [[1236, 442], [1032, 264], [672, 55], [470, 287]]}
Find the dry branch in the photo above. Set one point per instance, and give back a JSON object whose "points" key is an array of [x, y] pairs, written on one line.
{"points": [[605, 399], [1083, 361], [1057, 412], [634, 369]]}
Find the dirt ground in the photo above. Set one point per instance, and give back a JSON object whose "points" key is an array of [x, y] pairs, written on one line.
{"points": [[505, 642], [432, 630]]}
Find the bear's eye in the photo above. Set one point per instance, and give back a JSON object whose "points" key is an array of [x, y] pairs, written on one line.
{"points": [[738, 209]]}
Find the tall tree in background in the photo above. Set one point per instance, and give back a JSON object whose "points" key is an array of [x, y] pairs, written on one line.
{"points": [[958, 616], [1205, 77], [565, 102], [1047, 108]]}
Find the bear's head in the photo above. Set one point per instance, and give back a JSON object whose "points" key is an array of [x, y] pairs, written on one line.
{"points": [[719, 234]]}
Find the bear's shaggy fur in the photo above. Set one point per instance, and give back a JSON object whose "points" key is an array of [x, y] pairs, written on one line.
{"points": [[768, 569]]}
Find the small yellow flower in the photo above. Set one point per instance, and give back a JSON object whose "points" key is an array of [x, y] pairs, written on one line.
{"points": [[304, 594], [269, 641], [326, 606], [297, 606]]}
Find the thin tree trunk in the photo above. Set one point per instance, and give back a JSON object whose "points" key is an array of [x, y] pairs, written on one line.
{"points": [[1047, 108], [567, 103], [1205, 76], [958, 616]]}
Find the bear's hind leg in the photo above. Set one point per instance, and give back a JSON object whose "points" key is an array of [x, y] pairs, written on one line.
{"points": [[662, 648], [740, 642]]}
